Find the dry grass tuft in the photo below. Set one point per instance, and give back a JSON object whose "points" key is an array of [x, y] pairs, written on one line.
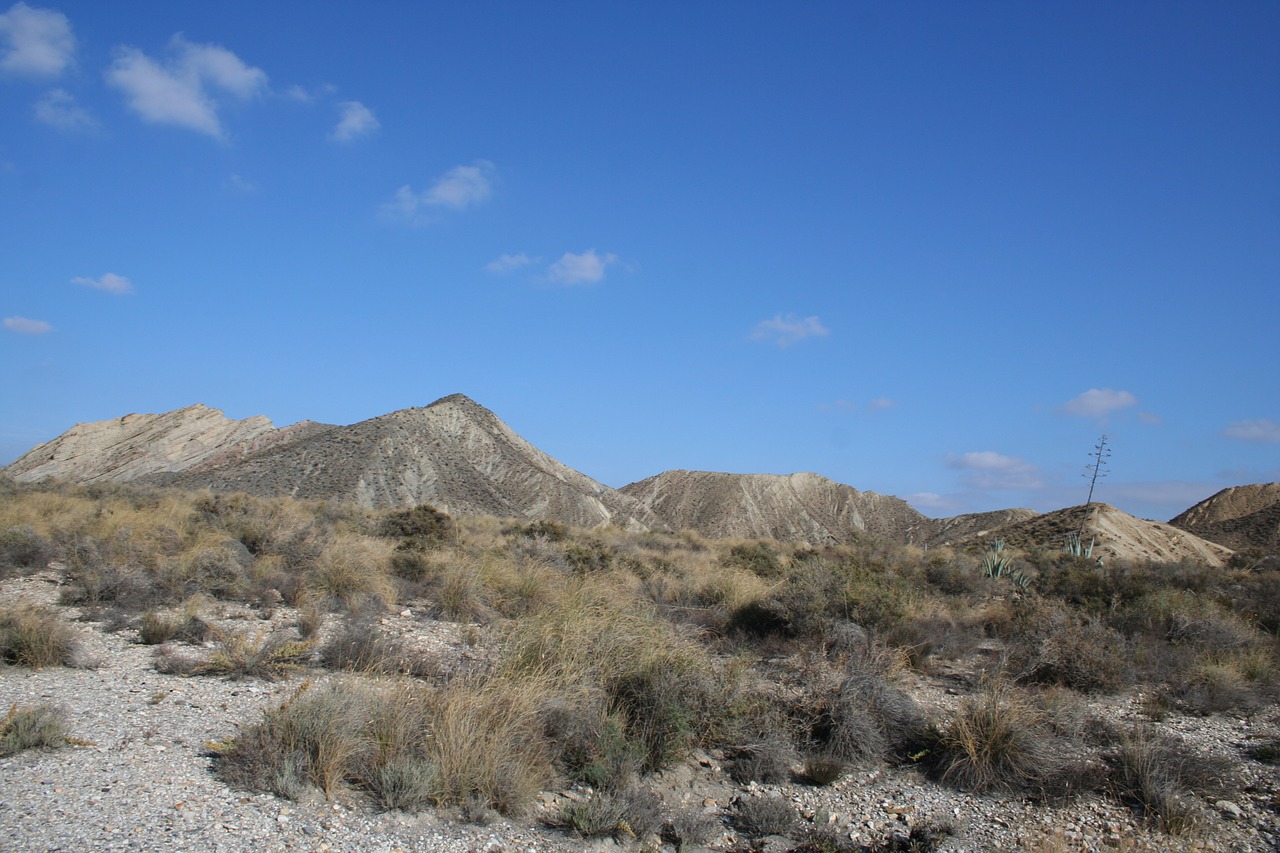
{"points": [[36, 637]]}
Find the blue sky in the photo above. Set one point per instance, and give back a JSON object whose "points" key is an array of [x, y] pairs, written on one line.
{"points": [[927, 249]]}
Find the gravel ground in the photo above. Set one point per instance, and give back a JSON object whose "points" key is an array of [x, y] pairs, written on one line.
{"points": [[142, 780]]}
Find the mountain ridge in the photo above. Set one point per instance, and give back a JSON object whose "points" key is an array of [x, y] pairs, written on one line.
{"points": [[461, 457]]}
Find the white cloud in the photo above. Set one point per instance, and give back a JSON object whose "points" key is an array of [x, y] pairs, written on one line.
{"points": [[988, 469], [307, 96], [462, 186], [114, 284], [178, 92], [1260, 430], [585, 268], [240, 184], [789, 329], [36, 42], [928, 500], [59, 108], [27, 326], [1099, 402], [355, 120], [459, 188], [506, 263], [880, 403]]}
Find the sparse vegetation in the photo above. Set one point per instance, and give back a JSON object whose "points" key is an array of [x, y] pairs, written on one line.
{"points": [[605, 657]]}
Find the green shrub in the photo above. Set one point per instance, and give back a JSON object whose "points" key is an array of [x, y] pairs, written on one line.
{"points": [[155, 628], [632, 813], [1162, 775], [23, 550], [760, 558], [362, 646], [267, 655], [422, 526], [317, 737], [766, 815], [32, 727], [405, 782], [768, 761], [1050, 645], [691, 827], [824, 769]]}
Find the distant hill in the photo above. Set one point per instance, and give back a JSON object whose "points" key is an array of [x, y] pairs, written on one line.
{"points": [[1239, 517], [1118, 535], [460, 457], [792, 507], [454, 454]]}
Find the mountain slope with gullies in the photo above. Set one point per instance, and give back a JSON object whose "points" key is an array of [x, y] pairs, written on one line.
{"points": [[959, 528], [1116, 536], [136, 446], [789, 507], [454, 454], [1239, 517]]}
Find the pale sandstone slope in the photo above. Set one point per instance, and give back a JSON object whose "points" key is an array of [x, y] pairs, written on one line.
{"points": [[1116, 534], [1239, 517], [790, 507], [134, 446]]}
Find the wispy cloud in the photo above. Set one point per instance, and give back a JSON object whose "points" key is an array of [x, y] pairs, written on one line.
{"points": [[307, 96], [180, 91], [507, 263], [1098, 403], [35, 42], [1260, 430], [785, 330], [929, 501], [355, 121], [585, 268], [117, 285], [58, 108], [239, 183], [27, 326], [459, 188], [987, 469]]}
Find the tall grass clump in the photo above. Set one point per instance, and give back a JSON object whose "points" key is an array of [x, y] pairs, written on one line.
{"points": [[352, 573], [36, 637], [1163, 776], [996, 741], [609, 658], [473, 742]]}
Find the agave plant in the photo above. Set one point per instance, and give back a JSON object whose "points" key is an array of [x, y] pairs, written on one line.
{"points": [[1076, 548], [996, 563]]}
